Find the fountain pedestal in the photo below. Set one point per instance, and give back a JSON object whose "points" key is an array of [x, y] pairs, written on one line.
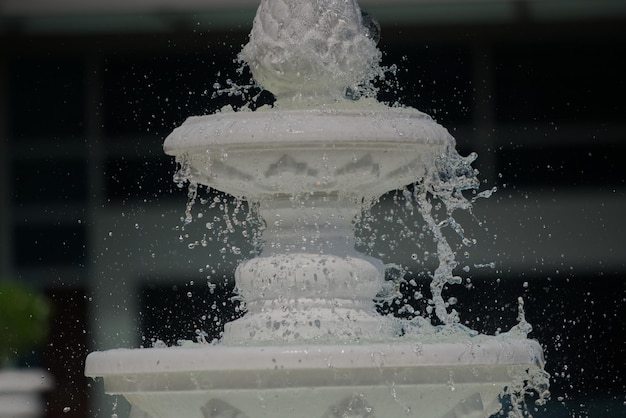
{"points": [[309, 284]]}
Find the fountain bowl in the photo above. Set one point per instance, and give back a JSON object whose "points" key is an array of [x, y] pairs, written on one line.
{"points": [[367, 150]]}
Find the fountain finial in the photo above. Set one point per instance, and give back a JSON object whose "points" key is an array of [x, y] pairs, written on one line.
{"points": [[310, 50]]}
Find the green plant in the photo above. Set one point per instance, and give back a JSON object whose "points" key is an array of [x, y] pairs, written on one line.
{"points": [[24, 314]]}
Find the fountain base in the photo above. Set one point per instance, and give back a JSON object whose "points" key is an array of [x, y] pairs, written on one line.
{"points": [[439, 380]]}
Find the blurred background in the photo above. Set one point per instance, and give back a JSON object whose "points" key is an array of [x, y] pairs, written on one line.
{"points": [[90, 215]]}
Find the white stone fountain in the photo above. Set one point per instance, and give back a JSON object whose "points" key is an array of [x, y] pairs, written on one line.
{"points": [[311, 343]]}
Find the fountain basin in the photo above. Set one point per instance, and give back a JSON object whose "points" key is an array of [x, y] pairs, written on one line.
{"points": [[399, 379], [369, 149]]}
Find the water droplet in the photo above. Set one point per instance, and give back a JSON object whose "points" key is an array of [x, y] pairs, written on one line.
{"points": [[418, 349]]}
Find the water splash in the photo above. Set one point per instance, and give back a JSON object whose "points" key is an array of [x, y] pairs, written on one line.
{"points": [[445, 182], [312, 51], [533, 382]]}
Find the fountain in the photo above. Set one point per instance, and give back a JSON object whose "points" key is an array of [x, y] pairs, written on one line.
{"points": [[311, 343]]}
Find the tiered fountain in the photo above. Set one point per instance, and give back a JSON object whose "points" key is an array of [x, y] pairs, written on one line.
{"points": [[312, 343]]}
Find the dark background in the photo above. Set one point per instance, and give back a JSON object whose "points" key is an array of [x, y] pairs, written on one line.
{"points": [[83, 115]]}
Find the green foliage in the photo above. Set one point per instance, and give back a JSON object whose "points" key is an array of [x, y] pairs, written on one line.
{"points": [[24, 317]]}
